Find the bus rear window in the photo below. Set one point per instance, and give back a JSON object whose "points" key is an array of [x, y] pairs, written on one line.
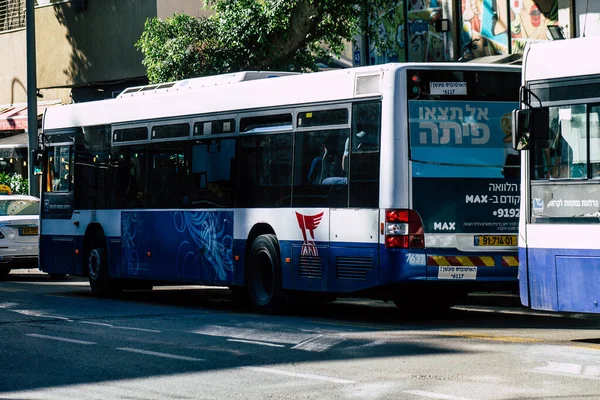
{"points": [[463, 85]]}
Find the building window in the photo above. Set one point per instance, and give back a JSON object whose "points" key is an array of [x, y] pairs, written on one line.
{"points": [[12, 14]]}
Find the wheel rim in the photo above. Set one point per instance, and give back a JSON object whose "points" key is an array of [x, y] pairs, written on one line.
{"points": [[263, 281], [94, 264]]}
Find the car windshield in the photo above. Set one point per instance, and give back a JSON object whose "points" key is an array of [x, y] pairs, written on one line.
{"points": [[19, 207]]}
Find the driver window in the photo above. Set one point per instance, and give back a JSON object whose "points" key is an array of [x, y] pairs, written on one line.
{"points": [[60, 167]]}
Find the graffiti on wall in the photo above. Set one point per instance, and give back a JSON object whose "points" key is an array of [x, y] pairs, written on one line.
{"points": [[408, 29], [488, 25], [390, 25], [424, 42]]}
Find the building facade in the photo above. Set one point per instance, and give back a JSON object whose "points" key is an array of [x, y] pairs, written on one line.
{"points": [[450, 30]]}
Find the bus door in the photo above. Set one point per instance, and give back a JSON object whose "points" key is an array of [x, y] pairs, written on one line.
{"points": [[354, 230], [353, 253], [58, 233]]}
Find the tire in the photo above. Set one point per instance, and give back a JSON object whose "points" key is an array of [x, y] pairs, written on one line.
{"points": [[263, 276], [55, 277], [97, 264], [4, 273]]}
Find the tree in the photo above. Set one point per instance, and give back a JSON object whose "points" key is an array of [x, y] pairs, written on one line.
{"points": [[243, 35]]}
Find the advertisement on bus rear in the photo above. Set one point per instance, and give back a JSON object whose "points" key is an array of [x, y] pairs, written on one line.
{"points": [[465, 172]]}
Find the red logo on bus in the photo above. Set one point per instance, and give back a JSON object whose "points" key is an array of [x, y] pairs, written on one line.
{"points": [[308, 223]]}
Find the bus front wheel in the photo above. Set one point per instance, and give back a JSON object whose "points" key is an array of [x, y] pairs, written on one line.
{"points": [[264, 275], [97, 262]]}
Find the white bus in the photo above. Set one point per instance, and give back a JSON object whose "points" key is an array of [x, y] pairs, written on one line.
{"points": [[559, 130], [394, 181]]}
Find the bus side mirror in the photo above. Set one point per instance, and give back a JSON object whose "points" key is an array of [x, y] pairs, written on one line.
{"points": [[521, 129], [38, 161]]}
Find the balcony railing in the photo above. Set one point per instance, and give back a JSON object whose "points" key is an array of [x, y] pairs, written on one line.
{"points": [[12, 14]]}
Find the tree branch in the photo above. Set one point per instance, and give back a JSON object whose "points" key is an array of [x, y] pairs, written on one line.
{"points": [[303, 23]]}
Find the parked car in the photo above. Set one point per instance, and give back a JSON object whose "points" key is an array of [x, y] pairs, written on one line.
{"points": [[19, 238]]}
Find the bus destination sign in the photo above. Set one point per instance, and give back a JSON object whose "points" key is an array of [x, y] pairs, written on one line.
{"points": [[448, 88]]}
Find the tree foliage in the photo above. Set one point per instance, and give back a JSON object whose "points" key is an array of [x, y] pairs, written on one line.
{"points": [[246, 35]]}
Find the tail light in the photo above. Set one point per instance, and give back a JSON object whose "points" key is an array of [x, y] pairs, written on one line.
{"points": [[403, 229]]}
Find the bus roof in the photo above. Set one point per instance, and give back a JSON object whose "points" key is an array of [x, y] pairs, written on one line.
{"points": [[246, 95], [201, 82], [561, 59]]}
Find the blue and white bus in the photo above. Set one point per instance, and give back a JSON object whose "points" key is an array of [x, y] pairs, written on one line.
{"points": [[558, 128], [395, 181]]}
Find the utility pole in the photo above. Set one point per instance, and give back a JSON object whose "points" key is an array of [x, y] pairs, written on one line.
{"points": [[32, 126]]}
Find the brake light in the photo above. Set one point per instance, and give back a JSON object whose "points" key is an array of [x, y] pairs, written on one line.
{"points": [[403, 229]]}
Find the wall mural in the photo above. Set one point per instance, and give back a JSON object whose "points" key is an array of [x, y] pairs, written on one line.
{"points": [[424, 43], [391, 24], [488, 25], [421, 42]]}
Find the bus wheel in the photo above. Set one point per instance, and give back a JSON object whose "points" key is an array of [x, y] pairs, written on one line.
{"points": [[100, 283], [264, 275], [4, 273]]}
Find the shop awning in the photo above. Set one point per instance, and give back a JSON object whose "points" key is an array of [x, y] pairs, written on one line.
{"points": [[14, 117]]}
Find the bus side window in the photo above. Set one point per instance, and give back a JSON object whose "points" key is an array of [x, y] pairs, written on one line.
{"points": [[595, 141], [319, 180], [364, 154]]}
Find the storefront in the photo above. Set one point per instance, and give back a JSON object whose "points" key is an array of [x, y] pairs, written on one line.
{"points": [[14, 143]]}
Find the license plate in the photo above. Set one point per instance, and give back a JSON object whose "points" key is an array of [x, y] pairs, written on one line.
{"points": [[457, 273], [28, 231], [496, 240]]}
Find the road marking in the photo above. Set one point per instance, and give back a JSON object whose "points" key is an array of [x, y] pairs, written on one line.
{"points": [[569, 369], [34, 313], [354, 325], [157, 354], [119, 327], [526, 311], [587, 346], [256, 342], [511, 339], [60, 339], [300, 375], [307, 341], [6, 289], [433, 395], [318, 344]]}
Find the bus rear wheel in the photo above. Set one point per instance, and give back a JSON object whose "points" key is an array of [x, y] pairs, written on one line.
{"points": [[264, 275], [97, 263]]}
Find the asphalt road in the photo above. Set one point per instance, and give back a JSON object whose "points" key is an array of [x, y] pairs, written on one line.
{"points": [[58, 341]]}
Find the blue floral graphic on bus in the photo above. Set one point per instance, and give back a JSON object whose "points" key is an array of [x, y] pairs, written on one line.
{"points": [[185, 245], [129, 254]]}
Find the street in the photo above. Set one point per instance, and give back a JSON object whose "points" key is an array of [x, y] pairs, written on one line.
{"points": [[58, 341]]}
